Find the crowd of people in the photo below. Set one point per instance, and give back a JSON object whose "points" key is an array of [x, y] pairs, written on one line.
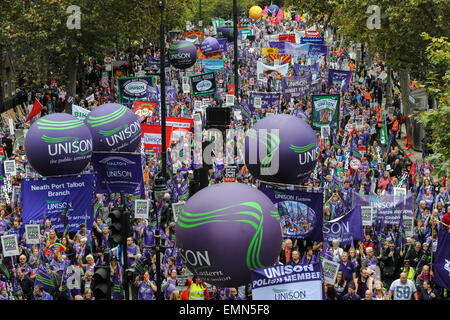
{"points": [[62, 266]]}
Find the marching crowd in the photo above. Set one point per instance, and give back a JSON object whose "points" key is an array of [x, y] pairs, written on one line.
{"points": [[62, 266]]}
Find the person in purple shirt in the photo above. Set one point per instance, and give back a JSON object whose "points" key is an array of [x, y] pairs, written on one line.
{"points": [[347, 267], [133, 252], [309, 257], [233, 295], [146, 288], [40, 294]]}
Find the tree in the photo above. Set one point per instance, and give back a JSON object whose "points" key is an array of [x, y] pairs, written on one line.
{"points": [[438, 86]]}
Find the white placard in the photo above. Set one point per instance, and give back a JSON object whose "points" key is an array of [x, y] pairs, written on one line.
{"points": [[238, 115], [325, 132], [257, 102], [10, 167], [229, 100], [330, 271], [11, 126], [366, 215], [10, 246], [174, 83], [398, 192], [141, 208], [33, 233], [176, 209], [197, 105], [269, 114], [185, 80], [186, 88]]}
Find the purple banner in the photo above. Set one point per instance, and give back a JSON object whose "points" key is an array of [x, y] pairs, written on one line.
{"points": [[345, 228], [300, 212], [339, 77], [223, 45], [296, 86], [317, 50], [268, 100], [315, 68]]}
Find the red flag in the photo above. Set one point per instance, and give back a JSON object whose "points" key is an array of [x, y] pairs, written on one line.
{"points": [[37, 108]]}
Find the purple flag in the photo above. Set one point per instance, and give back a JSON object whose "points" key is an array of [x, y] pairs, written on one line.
{"points": [[346, 228]]}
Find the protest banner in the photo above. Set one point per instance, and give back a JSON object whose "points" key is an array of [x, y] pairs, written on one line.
{"points": [[151, 137], [339, 77], [203, 84], [51, 197], [144, 109], [441, 263], [278, 72], [32, 233], [325, 111], [301, 212], [344, 229], [177, 208], [288, 282], [330, 270], [141, 208], [10, 167], [265, 100], [312, 40], [133, 88], [79, 112], [297, 86], [117, 172]]}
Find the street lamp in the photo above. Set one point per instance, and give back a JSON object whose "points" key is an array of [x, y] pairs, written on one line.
{"points": [[159, 189], [162, 78]]}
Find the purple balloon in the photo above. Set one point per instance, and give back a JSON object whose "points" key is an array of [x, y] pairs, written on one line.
{"points": [[182, 54], [225, 231], [292, 154], [209, 45], [58, 144], [114, 127]]}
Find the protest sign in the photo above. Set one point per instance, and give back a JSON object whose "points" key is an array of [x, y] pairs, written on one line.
{"points": [[141, 208], [32, 233], [177, 208], [10, 245], [366, 216], [330, 271], [10, 167], [133, 88], [344, 229], [203, 84], [230, 174], [288, 282], [325, 111]]}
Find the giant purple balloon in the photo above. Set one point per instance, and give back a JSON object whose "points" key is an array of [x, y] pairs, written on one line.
{"points": [[182, 54], [225, 231], [58, 144], [209, 45], [281, 148], [273, 8], [114, 127]]}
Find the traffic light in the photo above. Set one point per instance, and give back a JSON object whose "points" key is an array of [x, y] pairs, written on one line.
{"points": [[102, 282], [117, 226]]}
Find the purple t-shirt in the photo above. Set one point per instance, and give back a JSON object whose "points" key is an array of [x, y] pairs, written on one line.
{"points": [[347, 270]]}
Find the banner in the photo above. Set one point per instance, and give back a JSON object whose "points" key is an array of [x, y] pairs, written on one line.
{"points": [[151, 137], [325, 111], [288, 282], [296, 50], [312, 40], [264, 71], [10, 245], [144, 109], [339, 77], [222, 45], [268, 51], [176, 209], [313, 33], [10, 167], [301, 212], [387, 209], [282, 58], [212, 65], [287, 37], [54, 196], [79, 112], [33, 233], [203, 84], [195, 37], [118, 172], [133, 88], [441, 263], [345, 228], [297, 86], [317, 50], [267, 99]]}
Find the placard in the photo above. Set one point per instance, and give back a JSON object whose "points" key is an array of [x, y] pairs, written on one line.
{"points": [[257, 102], [325, 132], [238, 115], [186, 88], [330, 271], [141, 208], [32, 233], [230, 174], [229, 100], [11, 126], [366, 215], [10, 167], [10, 246], [399, 192], [203, 84], [176, 209]]}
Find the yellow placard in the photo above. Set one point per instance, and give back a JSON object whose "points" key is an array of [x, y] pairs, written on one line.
{"points": [[269, 51]]}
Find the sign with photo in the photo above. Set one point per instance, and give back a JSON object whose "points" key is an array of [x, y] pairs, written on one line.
{"points": [[141, 208], [366, 215], [186, 88], [399, 192], [10, 246], [325, 132], [203, 84], [177, 208], [10, 167], [257, 102], [32, 233], [229, 100]]}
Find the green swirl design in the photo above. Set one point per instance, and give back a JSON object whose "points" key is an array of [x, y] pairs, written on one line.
{"points": [[272, 143], [56, 139], [304, 148], [58, 125], [99, 121], [109, 132], [190, 220]]}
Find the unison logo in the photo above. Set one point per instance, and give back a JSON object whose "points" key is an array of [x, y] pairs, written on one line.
{"points": [[286, 294], [67, 145], [122, 133], [307, 153]]}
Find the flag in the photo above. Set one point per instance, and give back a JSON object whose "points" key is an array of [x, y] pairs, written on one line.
{"points": [[37, 108], [441, 263], [44, 278], [326, 254], [425, 260], [65, 218], [384, 133], [401, 235]]}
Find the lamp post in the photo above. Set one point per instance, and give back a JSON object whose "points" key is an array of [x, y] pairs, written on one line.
{"points": [[162, 77], [159, 189], [235, 46]]}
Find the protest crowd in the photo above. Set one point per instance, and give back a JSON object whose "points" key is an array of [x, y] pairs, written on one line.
{"points": [[362, 156]]}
